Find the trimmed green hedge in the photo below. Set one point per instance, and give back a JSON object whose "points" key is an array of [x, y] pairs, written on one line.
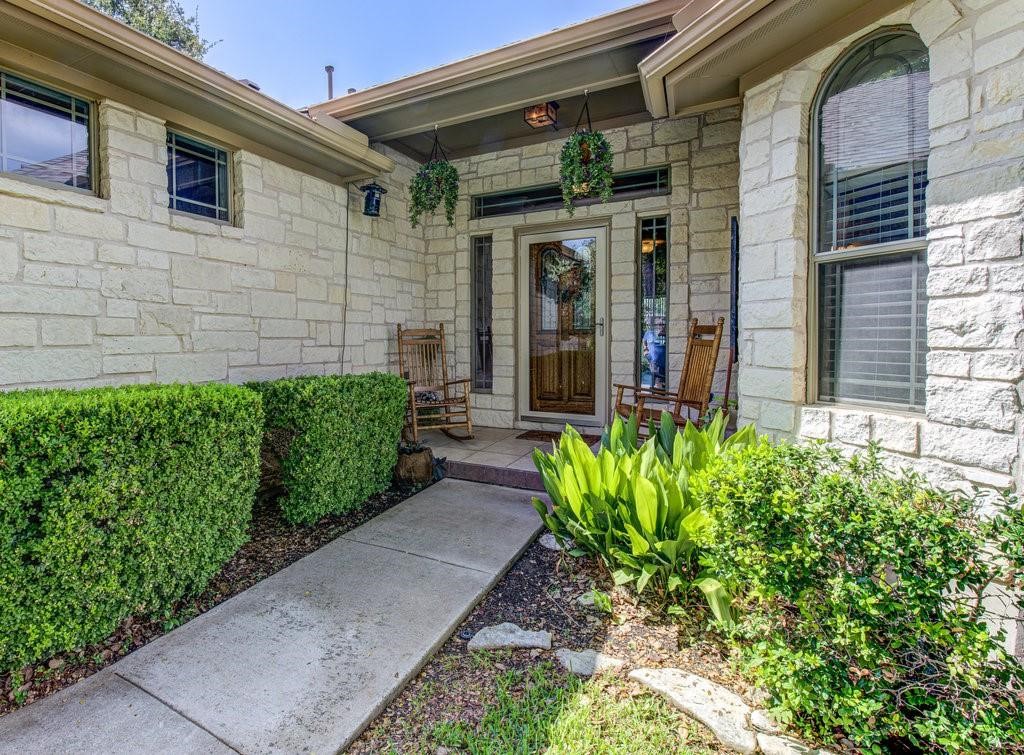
{"points": [[331, 441], [114, 502]]}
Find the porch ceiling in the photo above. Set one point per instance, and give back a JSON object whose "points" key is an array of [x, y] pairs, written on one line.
{"points": [[477, 103]]}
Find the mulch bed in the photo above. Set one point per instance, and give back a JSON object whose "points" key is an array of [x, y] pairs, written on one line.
{"points": [[273, 544], [540, 591]]}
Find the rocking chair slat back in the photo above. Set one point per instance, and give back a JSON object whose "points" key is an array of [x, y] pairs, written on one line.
{"points": [[422, 358], [699, 363]]}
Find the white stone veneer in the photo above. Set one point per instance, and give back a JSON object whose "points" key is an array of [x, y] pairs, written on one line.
{"points": [[116, 288]]}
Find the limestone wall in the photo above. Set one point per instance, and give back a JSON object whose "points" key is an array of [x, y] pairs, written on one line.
{"points": [[972, 427], [116, 288], [702, 154]]}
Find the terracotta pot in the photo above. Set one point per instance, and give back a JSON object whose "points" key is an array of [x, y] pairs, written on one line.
{"points": [[416, 468]]}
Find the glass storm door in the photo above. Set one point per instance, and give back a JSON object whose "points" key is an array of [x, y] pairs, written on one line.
{"points": [[562, 345]]}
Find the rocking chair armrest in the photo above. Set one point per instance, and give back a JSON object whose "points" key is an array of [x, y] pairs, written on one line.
{"points": [[638, 389], [458, 381]]}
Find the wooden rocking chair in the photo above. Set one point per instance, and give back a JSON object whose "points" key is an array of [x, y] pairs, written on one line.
{"points": [[690, 402], [435, 402]]}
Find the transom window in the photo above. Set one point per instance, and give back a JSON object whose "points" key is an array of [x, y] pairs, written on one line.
{"points": [[869, 249], [44, 134], [197, 177]]}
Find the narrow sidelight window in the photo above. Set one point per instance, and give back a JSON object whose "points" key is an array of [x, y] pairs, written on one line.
{"points": [[482, 347], [869, 250], [44, 134], [652, 302], [197, 177]]}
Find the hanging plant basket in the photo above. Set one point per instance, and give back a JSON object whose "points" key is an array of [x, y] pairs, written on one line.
{"points": [[586, 168], [436, 183], [586, 163]]}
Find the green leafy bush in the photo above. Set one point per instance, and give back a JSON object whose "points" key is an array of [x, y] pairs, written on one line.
{"points": [[331, 441], [116, 501], [862, 596], [633, 507]]}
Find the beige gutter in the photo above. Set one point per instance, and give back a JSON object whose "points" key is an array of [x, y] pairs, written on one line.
{"points": [[345, 149], [536, 52], [700, 23]]}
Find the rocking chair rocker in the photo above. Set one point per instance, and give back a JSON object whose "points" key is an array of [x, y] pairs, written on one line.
{"points": [[435, 402], [690, 402]]}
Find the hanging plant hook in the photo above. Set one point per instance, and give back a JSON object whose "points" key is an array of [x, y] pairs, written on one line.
{"points": [[437, 151], [584, 110]]}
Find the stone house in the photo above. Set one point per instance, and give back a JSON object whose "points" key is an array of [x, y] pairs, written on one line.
{"points": [[161, 221]]}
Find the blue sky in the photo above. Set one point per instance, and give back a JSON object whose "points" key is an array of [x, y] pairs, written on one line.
{"points": [[283, 45]]}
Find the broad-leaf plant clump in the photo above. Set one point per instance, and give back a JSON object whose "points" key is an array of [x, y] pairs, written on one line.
{"points": [[586, 168], [435, 183]]}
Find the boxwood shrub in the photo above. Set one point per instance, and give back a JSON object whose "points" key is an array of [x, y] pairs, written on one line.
{"points": [[331, 441], [114, 502], [862, 598]]}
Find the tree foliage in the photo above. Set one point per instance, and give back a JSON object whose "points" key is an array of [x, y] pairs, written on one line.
{"points": [[165, 20]]}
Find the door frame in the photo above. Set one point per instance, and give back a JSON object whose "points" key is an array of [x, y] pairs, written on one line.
{"points": [[602, 339]]}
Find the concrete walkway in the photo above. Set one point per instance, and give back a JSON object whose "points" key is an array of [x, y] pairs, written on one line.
{"points": [[302, 661]]}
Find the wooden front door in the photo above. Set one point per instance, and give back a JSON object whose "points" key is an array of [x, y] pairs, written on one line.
{"points": [[564, 324]]}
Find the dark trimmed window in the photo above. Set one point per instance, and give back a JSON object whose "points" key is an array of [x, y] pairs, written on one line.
{"points": [[44, 134], [632, 185], [197, 177], [652, 303], [483, 341], [869, 250]]}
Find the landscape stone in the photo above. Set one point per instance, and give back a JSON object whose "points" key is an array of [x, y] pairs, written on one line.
{"points": [[762, 721], [509, 635], [587, 662], [771, 744], [548, 541], [721, 710]]}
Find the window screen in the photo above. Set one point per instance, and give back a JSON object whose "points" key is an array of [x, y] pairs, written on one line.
{"points": [[44, 134], [872, 152], [873, 330], [483, 348], [197, 177]]}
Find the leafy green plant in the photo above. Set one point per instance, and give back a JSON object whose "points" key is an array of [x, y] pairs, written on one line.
{"points": [[632, 506], [117, 502], [331, 441], [436, 182], [862, 595], [586, 168]]}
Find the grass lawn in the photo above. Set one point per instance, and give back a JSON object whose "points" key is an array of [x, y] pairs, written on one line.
{"points": [[541, 710]]}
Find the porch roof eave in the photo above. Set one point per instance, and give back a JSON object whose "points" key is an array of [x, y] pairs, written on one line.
{"points": [[723, 48]]}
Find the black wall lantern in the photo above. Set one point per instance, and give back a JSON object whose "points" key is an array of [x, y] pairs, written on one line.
{"points": [[373, 196]]}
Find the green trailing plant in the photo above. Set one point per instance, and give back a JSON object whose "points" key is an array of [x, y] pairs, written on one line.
{"points": [[632, 506], [331, 441], [436, 183], [862, 599], [117, 502], [586, 168]]}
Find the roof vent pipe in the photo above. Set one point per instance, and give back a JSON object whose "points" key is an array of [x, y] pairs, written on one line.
{"points": [[330, 81]]}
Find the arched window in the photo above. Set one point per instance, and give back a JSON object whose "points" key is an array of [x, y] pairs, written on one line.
{"points": [[871, 156]]}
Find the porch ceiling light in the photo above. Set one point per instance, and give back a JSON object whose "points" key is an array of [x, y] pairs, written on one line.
{"points": [[542, 115], [373, 198]]}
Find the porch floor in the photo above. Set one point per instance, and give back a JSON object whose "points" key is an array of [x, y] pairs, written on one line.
{"points": [[496, 447]]}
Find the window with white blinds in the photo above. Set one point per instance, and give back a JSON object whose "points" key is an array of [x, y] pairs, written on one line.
{"points": [[872, 172]]}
